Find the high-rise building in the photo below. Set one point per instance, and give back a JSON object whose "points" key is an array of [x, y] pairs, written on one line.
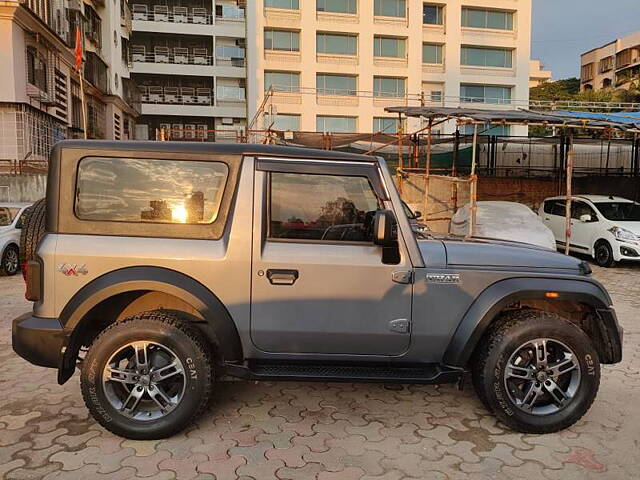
{"points": [[612, 65], [334, 65], [40, 100], [188, 59]]}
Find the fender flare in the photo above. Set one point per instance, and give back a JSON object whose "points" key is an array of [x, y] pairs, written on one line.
{"points": [[505, 292], [158, 279]]}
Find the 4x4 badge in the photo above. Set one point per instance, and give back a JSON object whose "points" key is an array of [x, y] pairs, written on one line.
{"points": [[69, 269], [446, 278]]}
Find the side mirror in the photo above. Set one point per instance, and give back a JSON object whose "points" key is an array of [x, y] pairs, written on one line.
{"points": [[384, 233], [586, 218], [417, 215]]}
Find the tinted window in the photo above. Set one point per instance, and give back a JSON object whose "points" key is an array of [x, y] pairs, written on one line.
{"points": [[321, 207], [555, 207], [580, 208], [156, 191], [620, 211]]}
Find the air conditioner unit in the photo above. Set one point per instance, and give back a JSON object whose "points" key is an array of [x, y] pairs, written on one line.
{"points": [[177, 130], [171, 95], [202, 131], [139, 12], [188, 94], [199, 15], [161, 13], [180, 14], [226, 121], [161, 54], [189, 131], [181, 55]]}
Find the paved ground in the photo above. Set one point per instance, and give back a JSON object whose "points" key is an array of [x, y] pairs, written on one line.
{"points": [[323, 431]]}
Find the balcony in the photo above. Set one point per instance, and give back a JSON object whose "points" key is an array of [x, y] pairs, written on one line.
{"points": [[176, 95], [176, 14], [230, 94], [229, 14], [172, 55]]}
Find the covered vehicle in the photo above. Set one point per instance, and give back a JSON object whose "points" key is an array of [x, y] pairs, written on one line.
{"points": [[504, 221]]}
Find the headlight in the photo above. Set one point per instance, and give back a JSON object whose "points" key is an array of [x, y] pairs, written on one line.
{"points": [[624, 235]]}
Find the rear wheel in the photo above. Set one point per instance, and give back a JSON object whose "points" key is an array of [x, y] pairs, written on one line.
{"points": [[9, 263], [147, 377], [603, 254], [537, 372]]}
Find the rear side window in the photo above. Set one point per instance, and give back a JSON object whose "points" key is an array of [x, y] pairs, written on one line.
{"points": [[555, 207], [321, 207], [149, 190]]}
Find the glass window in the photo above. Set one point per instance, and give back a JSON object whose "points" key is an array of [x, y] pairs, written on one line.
{"points": [[328, 84], [286, 40], [282, 121], [487, 57], [390, 8], [578, 209], [432, 14], [337, 6], [483, 18], [321, 207], [389, 87], [432, 53], [36, 69], [620, 211], [285, 4], [555, 207], [389, 47], [7, 215], [485, 94], [282, 81], [336, 43], [155, 191], [386, 125], [327, 123]]}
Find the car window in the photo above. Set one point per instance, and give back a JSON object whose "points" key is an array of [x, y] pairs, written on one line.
{"points": [[5, 217], [555, 207], [19, 221], [620, 211], [149, 190], [580, 208], [321, 207]]}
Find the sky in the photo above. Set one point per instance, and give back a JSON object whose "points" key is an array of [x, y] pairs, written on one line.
{"points": [[563, 29]]}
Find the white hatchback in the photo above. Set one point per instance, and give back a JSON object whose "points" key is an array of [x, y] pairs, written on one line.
{"points": [[10, 225], [605, 227]]}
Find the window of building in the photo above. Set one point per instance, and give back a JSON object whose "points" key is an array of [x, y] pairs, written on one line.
{"points": [[285, 40], [390, 8], [282, 121], [336, 43], [486, 57], [284, 4], [485, 94], [484, 18], [156, 191], [330, 84], [337, 6], [606, 64], [93, 25], [586, 72], [329, 123], [282, 81], [386, 124], [327, 207], [389, 47], [432, 14], [486, 129], [432, 53], [37, 69], [389, 87]]}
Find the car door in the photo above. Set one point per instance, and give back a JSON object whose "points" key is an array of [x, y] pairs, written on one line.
{"points": [[583, 233], [319, 284], [554, 218]]}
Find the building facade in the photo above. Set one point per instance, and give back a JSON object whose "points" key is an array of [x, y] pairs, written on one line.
{"points": [[188, 59], [334, 65], [613, 65], [40, 100], [538, 74]]}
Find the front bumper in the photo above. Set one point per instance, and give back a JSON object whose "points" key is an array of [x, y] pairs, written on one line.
{"points": [[39, 340]]}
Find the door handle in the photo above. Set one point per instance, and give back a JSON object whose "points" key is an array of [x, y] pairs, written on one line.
{"points": [[282, 277]]}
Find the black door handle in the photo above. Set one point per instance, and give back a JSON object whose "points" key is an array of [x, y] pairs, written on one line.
{"points": [[282, 277]]}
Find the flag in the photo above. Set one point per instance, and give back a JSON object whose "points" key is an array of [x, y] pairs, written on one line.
{"points": [[78, 49]]}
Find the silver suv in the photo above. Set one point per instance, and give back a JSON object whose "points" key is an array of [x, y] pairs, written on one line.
{"points": [[167, 265]]}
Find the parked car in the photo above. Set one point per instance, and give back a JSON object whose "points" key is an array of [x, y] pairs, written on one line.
{"points": [[10, 225], [418, 227], [504, 221], [166, 265], [605, 227]]}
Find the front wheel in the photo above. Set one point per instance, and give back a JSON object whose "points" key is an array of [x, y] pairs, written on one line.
{"points": [[9, 263], [147, 377], [603, 254], [537, 372]]}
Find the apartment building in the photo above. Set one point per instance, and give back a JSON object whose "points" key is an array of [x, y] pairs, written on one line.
{"points": [[334, 65], [538, 74], [612, 65], [40, 100], [188, 59]]}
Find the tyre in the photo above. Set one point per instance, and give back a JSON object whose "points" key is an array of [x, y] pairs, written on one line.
{"points": [[9, 263], [537, 372], [33, 228], [148, 376], [603, 254]]}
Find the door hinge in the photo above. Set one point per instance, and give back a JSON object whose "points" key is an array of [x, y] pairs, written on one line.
{"points": [[402, 276], [401, 325]]}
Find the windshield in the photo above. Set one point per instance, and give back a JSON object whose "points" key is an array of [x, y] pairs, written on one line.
{"points": [[407, 211], [7, 215], [620, 211]]}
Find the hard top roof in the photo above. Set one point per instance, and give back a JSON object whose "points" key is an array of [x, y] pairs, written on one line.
{"points": [[214, 148]]}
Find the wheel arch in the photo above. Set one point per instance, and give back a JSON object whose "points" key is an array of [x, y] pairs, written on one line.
{"points": [[582, 302], [125, 292]]}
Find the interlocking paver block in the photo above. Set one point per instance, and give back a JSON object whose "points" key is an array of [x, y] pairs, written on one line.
{"points": [[309, 471], [185, 467], [265, 470], [224, 469], [292, 457], [147, 465], [350, 473]]}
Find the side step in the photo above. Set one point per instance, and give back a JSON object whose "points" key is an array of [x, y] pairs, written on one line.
{"points": [[331, 372]]}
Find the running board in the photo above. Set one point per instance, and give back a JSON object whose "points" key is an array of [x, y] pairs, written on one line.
{"points": [[328, 372]]}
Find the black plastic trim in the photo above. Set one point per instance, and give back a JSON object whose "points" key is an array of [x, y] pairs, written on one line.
{"points": [[38, 340]]}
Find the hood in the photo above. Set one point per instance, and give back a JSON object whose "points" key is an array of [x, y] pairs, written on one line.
{"points": [[505, 254], [633, 227]]}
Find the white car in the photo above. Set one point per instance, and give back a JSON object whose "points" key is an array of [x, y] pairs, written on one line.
{"points": [[10, 225], [510, 221], [607, 228]]}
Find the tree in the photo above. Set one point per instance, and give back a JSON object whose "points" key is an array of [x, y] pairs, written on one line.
{"points": [[565, 89]]}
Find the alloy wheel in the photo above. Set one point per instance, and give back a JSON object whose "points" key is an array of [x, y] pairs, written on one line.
{"points": [[11, 261]]}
